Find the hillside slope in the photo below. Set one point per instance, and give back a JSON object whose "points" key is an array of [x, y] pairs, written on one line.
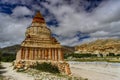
{"points": [[13, 49], [10, 49], [103, 46]]}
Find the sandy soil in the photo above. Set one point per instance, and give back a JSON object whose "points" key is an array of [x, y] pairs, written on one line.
{"points": [[92, 71], [10, 73], [96, 71], [31, 74]]}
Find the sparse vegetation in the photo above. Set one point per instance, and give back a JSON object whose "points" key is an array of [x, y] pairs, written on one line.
{"points": [[111, 54], [6, 57], [111, 57], [46, 67], [8, 54], [1, 77], [75, 55]]}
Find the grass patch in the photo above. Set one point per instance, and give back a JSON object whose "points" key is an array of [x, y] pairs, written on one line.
{"points": [[0, 66], [97, 59], [46, 67], [1, 77], [8, 57]]}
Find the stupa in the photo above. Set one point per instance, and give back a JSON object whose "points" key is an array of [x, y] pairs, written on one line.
{"points": [[40, 46]]}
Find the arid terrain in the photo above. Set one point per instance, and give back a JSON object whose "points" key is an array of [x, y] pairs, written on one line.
{"points": [[100, 46], [96, 70], [8, 73], [11, 74], [90, 70]]}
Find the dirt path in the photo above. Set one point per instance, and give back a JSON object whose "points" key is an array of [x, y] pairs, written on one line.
{"points": [[96, 71], [85, 70], [12, 74]]}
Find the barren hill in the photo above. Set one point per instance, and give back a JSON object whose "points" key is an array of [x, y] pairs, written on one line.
{"points": [[103, 46]]}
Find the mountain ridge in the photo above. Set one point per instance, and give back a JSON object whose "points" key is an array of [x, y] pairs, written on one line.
{"points": [[104, 46], [14, 48]]}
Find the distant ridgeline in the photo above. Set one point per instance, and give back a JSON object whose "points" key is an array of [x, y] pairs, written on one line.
{"points": [[8, 53], [10, 49], [14, 48], [101, 46]]}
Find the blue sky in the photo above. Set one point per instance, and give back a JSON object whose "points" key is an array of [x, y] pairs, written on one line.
{"points": [[72, 22]]}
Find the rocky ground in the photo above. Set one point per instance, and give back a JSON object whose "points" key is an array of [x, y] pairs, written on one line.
{"points": [[90, 70], [10, 74]]}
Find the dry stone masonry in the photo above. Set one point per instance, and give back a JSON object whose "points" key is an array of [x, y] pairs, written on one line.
{"points": [[40, 46]]}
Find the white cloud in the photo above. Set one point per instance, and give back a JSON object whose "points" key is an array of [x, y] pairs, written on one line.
{"points": [[102, 22], [21, 11], [12, 29], [99, 34], [71, 41]]}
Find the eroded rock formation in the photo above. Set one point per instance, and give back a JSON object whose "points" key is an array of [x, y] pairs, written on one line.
{"points": [[102, 46]]}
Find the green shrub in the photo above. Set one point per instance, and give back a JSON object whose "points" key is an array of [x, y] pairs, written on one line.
{"points": [[111, 54], [101, 55], [46, 67], [8, 57], [2, 77], [118, 55], [78, 55]]}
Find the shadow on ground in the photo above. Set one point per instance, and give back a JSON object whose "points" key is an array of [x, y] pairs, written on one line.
{"points": [[2, 70]]}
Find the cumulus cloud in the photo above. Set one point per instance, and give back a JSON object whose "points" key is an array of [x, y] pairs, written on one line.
{"points": [[102, 22], [12, 29], [21, 11], [99, 22]]}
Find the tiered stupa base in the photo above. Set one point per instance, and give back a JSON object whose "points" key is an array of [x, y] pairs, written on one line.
{"points": [[25, 64], [40, 46]]}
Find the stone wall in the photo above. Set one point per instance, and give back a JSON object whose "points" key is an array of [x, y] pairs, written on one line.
{"points": [[62, 66]]}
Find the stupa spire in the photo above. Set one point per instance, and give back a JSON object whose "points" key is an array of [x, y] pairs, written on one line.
{"points": [[38, 18], [38, 14]]}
